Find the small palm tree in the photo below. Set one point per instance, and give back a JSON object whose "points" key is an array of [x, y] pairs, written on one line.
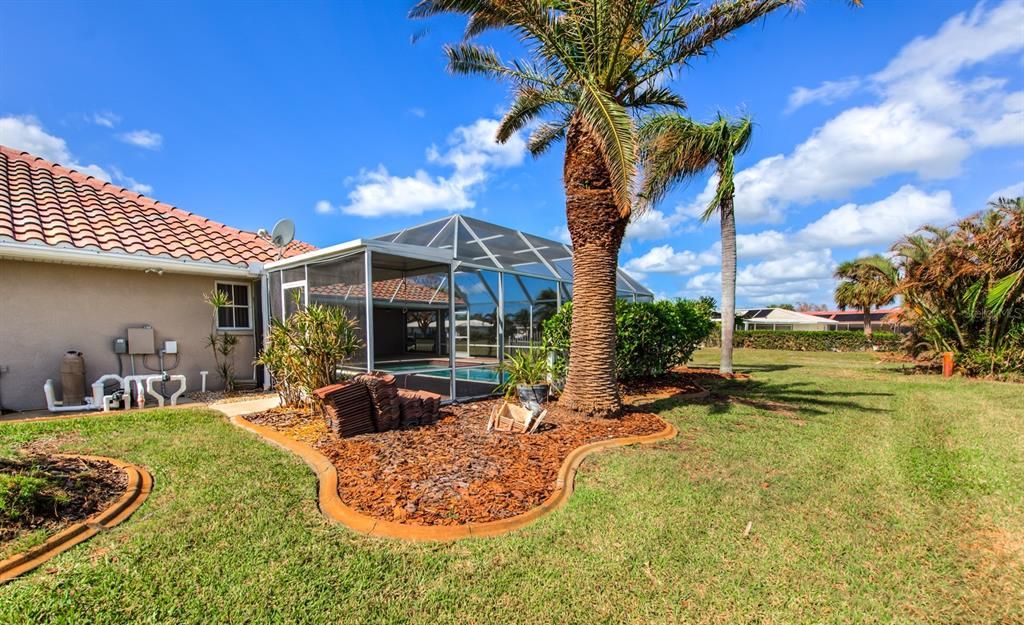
{"points": [[594, 68], [674, 148], [862, 286]]}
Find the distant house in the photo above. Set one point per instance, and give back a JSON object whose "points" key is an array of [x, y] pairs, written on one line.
{"points": [[784, 319], [886, 319], [83, 260]]}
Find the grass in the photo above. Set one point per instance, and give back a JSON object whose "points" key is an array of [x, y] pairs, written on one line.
{"points": [[873, 497]]}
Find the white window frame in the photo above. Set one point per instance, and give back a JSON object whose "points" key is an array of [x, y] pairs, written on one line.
{"points": [[248, 304]]}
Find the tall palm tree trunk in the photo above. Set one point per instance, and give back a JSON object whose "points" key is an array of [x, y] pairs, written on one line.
{"points": [[728, 215], [867, 321], [596, 226]]}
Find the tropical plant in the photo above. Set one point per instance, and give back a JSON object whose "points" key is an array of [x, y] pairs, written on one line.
{"points": [[651, 337], [523, 367], [963, 288], [594, 68], [674, 148], [222, 344], [862, 287], [306, 351]]}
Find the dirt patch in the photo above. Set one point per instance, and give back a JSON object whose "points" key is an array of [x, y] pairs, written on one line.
{"points": [[661, 387], [209, 397], [44, 494], [701, 373], [454, 471], [994, 582]]}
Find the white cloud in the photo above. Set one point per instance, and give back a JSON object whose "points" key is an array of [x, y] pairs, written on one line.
{"points": [[1012, 191], [827, 93], [26, 133], [143, 138], [105, 119], [472, 153], [561, 233], [131, 183], [418, 112], [664, 259], [323, 207], [801, 275], [879, 223], [927, 120], [649, 225], [965, 39]]}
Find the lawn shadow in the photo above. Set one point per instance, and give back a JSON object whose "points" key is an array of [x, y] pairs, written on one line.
{"points": [[788, 399]]}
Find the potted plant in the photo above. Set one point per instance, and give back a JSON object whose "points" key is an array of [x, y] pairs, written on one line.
{"points": [[526, 375]]}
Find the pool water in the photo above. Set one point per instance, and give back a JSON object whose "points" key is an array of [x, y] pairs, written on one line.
{"points": [[484, 375]]}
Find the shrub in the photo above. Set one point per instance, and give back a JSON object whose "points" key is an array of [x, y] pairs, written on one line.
{"points": [[523, 366], [651, 337], [305, 351], [810, 341]]}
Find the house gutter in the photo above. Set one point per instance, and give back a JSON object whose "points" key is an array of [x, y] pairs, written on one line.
{"points": [[76, 256]]}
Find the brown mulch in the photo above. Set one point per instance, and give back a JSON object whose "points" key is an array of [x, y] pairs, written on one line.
{"points": [[671, 383], [454, 471], [78, 489]]}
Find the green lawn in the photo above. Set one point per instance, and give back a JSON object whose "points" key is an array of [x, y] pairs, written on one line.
{"points": [[873, 497]]}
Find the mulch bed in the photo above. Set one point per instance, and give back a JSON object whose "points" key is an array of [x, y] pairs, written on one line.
{"points": [[454, 471], [76, 490]]}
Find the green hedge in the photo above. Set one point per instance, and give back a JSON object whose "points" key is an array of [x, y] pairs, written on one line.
{"points": [[810, 341], [651, 337]]}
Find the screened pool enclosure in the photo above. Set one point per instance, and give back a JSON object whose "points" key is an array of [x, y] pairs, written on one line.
{"points": [[438, 305]]}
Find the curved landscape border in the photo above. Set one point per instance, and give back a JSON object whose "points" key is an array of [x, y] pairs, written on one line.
{"points": [[334, 509], [140, 484]]}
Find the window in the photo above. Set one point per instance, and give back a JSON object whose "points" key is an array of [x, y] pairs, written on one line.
{"points": [[234, 316]]}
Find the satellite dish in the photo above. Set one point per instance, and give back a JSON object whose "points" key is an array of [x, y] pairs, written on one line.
{"points": [[283, 233]]}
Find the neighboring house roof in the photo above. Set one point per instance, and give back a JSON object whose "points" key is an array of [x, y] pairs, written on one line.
{"points": [[394, 289], [777, 315], [884, 315], [46, 204]]}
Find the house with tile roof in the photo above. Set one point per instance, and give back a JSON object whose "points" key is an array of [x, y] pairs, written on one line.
{"points": [[82, 261]]}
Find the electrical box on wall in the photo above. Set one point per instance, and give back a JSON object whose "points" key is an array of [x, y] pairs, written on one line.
{"points": [[120, 345], [170, 347], [141, 341]]}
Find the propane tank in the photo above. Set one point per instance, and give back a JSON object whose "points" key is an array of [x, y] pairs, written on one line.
{"points": [[72, 378]]}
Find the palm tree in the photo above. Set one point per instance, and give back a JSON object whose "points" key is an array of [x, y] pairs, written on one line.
{"points": [[675, 147], [863, 286], [594, 67]]}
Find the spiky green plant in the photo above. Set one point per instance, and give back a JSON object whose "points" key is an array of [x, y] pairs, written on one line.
{"points": [[222, 344], [306, 351]]}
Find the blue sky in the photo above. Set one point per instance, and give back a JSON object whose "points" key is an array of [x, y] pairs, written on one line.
{"points": [[869, 123]]}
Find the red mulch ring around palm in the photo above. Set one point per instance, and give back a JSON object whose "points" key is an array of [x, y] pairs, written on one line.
{"points": [[49, 493], [454, 471]]}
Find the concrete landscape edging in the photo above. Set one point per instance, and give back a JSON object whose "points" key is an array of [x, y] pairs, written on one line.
{"points": [[140, 485], [335, 510]]}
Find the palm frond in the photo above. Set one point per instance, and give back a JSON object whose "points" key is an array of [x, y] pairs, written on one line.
{"points": [[613, 128]]}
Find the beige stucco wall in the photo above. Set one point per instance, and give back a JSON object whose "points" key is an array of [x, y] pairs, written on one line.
{"points": [[47, 309]]}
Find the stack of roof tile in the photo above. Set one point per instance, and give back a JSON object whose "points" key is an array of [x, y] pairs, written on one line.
{"points": [[348, 408], [384, 396], [418, 407]]}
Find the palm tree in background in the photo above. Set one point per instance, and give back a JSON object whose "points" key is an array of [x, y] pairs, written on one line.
{"points": [[674, 148], [594, 68], [862, 286]]}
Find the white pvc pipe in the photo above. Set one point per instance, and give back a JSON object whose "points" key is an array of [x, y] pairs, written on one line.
{"points": [[153, 379], [98, 398], [202, 374], [140, 391], [53, 406]]}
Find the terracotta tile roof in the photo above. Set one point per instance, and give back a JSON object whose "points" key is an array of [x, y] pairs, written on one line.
{"points": [[402, 290], [46, 204]]}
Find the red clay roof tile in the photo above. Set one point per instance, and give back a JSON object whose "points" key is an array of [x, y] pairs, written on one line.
{"points": [[43, 202]]}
